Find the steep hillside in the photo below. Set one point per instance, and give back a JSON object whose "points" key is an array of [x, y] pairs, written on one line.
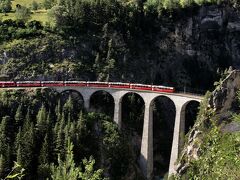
{"points": [[180, 48], [212, 147]]}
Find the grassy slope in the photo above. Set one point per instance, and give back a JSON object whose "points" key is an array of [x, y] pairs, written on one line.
{"points": [[26, 3], [39, 15]]}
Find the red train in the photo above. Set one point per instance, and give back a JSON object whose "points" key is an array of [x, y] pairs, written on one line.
{"points": [[87, 84]]}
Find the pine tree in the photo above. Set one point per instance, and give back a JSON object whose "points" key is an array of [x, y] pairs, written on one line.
{"points": [[27, 153], [66, 169], [5, 141], [90, 173], [7, 128], [58, 111], [19, 116], [5, 162], [60, 139], [44, 159], [18, 140], [20, 158], [68, 108], [27, 121], [44, 153], [81, 126], [42, 121], [2, 166]]}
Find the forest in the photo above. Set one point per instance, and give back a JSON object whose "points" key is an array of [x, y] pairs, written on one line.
{"points": [[53, 137], [185, 44]]}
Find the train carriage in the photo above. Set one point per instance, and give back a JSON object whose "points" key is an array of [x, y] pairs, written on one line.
{"points": [[97, 84], [163, 89], [119, 85], [52, 83], [75, 83], [28, 83], [7, 84], [141, 87]]}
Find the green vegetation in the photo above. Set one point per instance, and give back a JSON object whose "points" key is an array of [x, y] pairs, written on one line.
{"points": [[218, 150], [49, 139], [40, 7], [95, 40], [219, 157]]}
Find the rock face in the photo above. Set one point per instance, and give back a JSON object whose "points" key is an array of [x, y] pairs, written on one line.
{"points": [[184, 50], [222, 100], [224, 97]]}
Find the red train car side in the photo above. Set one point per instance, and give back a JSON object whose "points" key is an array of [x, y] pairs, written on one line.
{"points": [[7, 84], [119, 85], [52, 83], [75, 83], [143, 87], [163, 89], [97, 84], [28, 83]]}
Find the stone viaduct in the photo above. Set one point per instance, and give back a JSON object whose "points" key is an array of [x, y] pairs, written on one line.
{"points": [[146, 157]]}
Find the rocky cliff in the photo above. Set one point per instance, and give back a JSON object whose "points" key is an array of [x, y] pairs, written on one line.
{"points": [[217, 120], [182, 49]]}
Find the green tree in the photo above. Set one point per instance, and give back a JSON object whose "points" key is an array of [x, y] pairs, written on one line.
{"points": [[44, 159], [68, 109], [26, 153], [35, 5], [19, 116], [89, 172], [42, 121], [48, 4], [3, 166], [17, 172], [5, 141], [66, 169], [23, 14], [60, 138], [5, 6], [58, 111], [81, 125]]}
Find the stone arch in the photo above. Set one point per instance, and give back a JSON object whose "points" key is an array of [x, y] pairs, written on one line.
{"points": [[129, 102], [184, 127], [164, 115], [71, 101], [186, 110], [102, 101], [133, 109], [76, 96]]}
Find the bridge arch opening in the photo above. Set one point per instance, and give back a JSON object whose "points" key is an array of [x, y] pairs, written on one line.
{"points": [[191, 111], [164, 112], [71, 98], [102, 102], [133, 107]]}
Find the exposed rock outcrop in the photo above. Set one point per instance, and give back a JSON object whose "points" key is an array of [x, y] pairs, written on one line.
{"points": [[222, 101], [182, 50]]}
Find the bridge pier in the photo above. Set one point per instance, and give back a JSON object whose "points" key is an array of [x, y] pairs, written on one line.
{"points": [[146, 156], [118, 112], [178, 136], [87, 104], [86, 99]]}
